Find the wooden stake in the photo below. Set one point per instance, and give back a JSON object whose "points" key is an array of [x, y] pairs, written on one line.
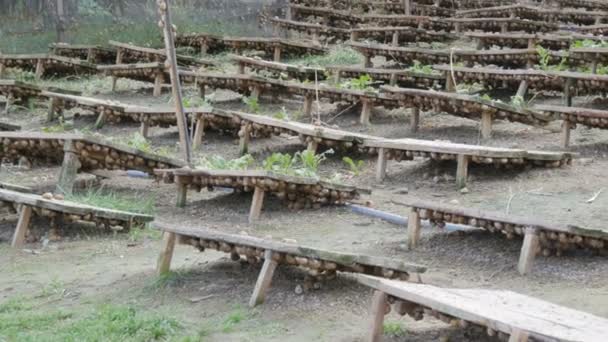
{"points": [[566, 128], [184, 137], [528, 251], [450, 85], [143, 128], [567, 96], [256, 204], [119, 53], [158, 84], [407, 6], [244, 140], [396, 38], [518, 336], [377, 312], [393, 80], [368, 61], [199, 132], [182, 195], [308, 98], [69, 168], [366, 111], [277, 53], [101, 120], [523, 89], [163, 265], [462, 170], [264, 279], [241, 70], [381, 165], [414, 120], [486, 125], [2, 69], [53, 105], [25, 214], [256, 92], [39, 69], [413, 228], [312, 146]]}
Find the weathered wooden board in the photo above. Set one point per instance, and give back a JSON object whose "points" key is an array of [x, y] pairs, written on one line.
{"points": [[278, 69], [130, 53], [346, 261], [317, 31], [401, 78], [598, 30], [500, 25], [587, 4], [48, 65], [91, 53], [15, 187], [572, 16], [552, 41], [505, 312], [399, 35]]}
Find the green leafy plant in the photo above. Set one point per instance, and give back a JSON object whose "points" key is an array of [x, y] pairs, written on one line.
{"points": [[419, 68], [339, 55], [588, 43], [282, 114], [112, 200], [393, 329], [303, 164], [544, 57], [196, 102], [217, 162], [354, 166], [60, 127], [363, 82], [252, 104]]}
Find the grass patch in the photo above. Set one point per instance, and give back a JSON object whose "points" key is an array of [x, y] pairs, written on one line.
{"points": [[339, 55], [141, 204], [22, 320], [393, 329]]}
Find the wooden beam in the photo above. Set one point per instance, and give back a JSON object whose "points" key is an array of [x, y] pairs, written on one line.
{"points": [[566, 129], [69, 168], [25, 214], [264, 279], [378, 310], [462, 170], [413, 228], [163, 264], [381, 165], [528, 251], [256, 204]]}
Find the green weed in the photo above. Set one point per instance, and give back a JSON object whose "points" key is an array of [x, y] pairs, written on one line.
{"points": [[339, 55], [252, 104], [419, 68], [393, 329], [354, 166], [217, 162], [142, 204], [361, 83]]}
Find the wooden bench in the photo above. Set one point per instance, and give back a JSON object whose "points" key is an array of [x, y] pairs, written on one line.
{"points": [[501, 314], [399, 35], [91, 53], [521, 11], [154, 72], [586, 4], [64, 211], [129, 53], [538, 236], [47, 65], [79, 152], [298, 192], [318, 33], [473, 107], [598, 30], [320, 264], [277, 69], [408, 149], [515, 40], [572, 116], [502, 25], [20, 92], [393, 77]]}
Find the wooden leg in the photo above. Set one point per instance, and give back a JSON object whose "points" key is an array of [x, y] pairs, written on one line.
{"points": [[381, 165], [522, 90], [308, 105], [594, 66], [486, 125], [504, 28], [255, 92], [241, 70], [39, 69], [119, 56], [566, 128], [256, 204], [69, 169], [413, 228], [143, 128], [158, 84], [366, 111], [50, 115], [199, 132], [277, 54], [25, 214], [244, 136], [462, 170], [368, 62], [312, 146], [393, 80], [414, 120], [567, 95], [166, 254], [101, 119], [518, 336], [450, 84], [528, 251], [396, 38], [264, 279], [182, 195], [114, 82], [378, 311]]}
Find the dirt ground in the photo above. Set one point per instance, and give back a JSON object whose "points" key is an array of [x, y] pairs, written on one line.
{"points": [[89, 269]]}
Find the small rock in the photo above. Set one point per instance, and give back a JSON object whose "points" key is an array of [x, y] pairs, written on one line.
{"points": [[448, 178], [425, 175], [436, 179], [402, 191], [299, 290], [58, 197], [464, 191], [292, 241], [316, 286], [47, 195], [454, 201]]}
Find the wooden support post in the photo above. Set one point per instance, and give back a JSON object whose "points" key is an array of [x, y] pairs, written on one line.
{"points": [[414, 120], [528, 251], [315, 38], [119, 53], [450, 83], [354, 35], [456, 28], [244, 136], [53, 106], [39, 69], [182, 194], [91, 55], [531, 43], [393, 80], [368, 62], [2, 69], [565, 139], [101, 119], [518, 336], [567, 95], [504, 28], [9, 102], [25, 214], [381, 165], [159, 78], [264, 279], [486, 125], [201, 90], [241, 70], [143, 128], [523, 89], [256, 92], [594, 66], [256, 204], [481, 44], [199, 132], [413, 228], [379, 302], [312, 146], [407, 6], [163, 265], [308, 98], [204, 47], [462, 170], [396, 38], [277, 53], [69, 168], [366, 111], [337, 76]]}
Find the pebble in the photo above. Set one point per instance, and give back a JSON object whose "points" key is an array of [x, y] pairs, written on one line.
{"points": [[299, 290], [464, 191], [402, 191]]}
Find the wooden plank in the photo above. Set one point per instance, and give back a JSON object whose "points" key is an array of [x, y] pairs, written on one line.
{"points": [[378, 310], [503, 311], [25, 214], [163, 264], [264, 279]]}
